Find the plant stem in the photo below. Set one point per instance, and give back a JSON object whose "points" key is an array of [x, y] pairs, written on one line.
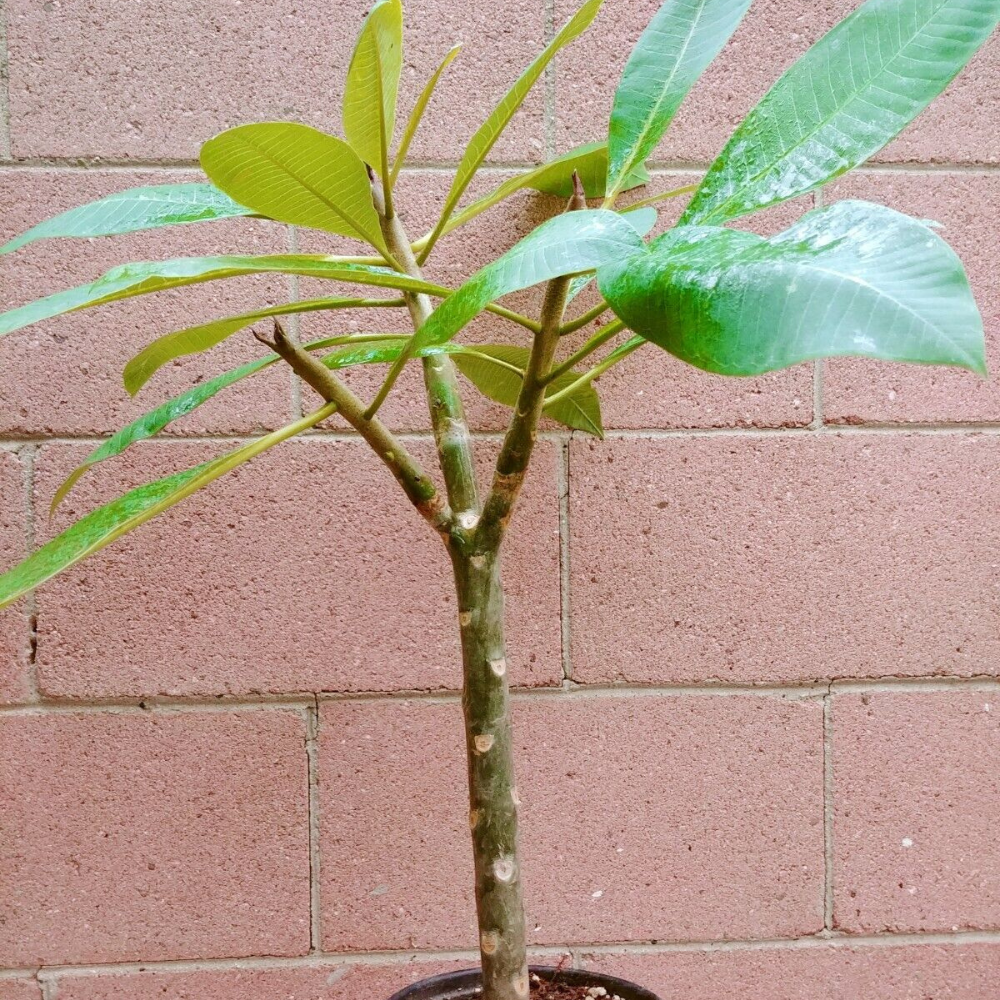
{"points": [[581, 321], [602, 336], [519, 442], [451, 432], [618, 354], [493, 800], [418, 486]]}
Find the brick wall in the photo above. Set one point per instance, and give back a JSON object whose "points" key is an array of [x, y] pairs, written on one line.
{"points": [[756, 632]]}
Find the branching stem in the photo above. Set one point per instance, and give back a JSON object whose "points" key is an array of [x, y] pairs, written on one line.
{"points": [[581, 321], [600, 338]]}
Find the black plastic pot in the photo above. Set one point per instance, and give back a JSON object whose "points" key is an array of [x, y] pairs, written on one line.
{"points": [[466, 985]]}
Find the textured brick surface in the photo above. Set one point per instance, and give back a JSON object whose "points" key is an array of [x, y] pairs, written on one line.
{"points": [[958, 128], [913, 973], [80, 72], [323, 982], [132, 837], [20, 989], [917, 800], [64, 376], [784, 557], [14, 625], [275, 579], [968, 207], [650, 818]]}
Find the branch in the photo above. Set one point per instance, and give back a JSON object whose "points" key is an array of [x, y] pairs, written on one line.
{"points": [[417, 485], [519, 442]]}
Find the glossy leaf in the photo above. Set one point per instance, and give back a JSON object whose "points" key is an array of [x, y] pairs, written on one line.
{"points": [[497, 371], [851, 279], [683, 37], [373, 84], [106, 524], [195, 339], [567, 244], [150, 424], [418, 111], [847, 97], [295, 174], [146, 277], [488, 133], [134, 210], [555, 178]]}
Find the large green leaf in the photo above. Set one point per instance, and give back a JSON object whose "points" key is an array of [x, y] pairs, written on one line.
{"points": [[195, 339], [418, 112], [497, 371], [847, 97], [295, 174], [106, 524], [567, 244], [146, 277], [133, 210], [485, 138], [373, 84], [850, 279], [683, 37], [590, 162]]}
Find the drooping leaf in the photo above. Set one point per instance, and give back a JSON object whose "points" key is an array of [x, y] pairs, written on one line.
{"points": [[485, 138], [373, 84], [851, 279], [106, 524], [683, 37], [134, 210], [555, 178], [856, 89], [418, 112], [295, 174], [146, 277], [195, 339], [150, 424], [497, 371], [567, 244]]}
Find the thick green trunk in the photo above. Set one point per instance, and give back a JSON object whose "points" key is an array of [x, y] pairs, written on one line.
{"points": [[493, 801]]}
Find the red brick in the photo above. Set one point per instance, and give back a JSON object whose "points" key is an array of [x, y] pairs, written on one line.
{"points": [[917, 795], [88, 80], [778, 558], [644, 818], [143, 837], [64, 376], [949, 972], [20, 989], [326, 981], [968, 206], [14, 625], [278, 580], [958, 128]]}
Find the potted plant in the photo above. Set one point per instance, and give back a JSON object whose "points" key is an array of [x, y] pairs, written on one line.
{"points": [[851, 278]]}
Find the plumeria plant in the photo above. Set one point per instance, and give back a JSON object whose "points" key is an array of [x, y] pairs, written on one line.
{"points": [[851, 278]]}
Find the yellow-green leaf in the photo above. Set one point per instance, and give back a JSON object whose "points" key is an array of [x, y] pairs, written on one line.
{"points": [[295, 174]]}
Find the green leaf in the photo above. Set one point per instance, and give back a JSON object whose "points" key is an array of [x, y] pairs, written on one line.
{"points": [[567, 244], [856, 89], [150, 424], [497, 371], [851, 279], [485, 138], [133, 210], [146, 277], [195, 339], [295, 174], [373, 84], [555, 178], [683, 37], [106, 524], [418, 112]]}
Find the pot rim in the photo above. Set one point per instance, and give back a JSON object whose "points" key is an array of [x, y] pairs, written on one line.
{"points": [[465, 984]]}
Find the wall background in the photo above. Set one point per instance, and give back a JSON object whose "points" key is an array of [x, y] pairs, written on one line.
{"points": [[755, 631]]}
